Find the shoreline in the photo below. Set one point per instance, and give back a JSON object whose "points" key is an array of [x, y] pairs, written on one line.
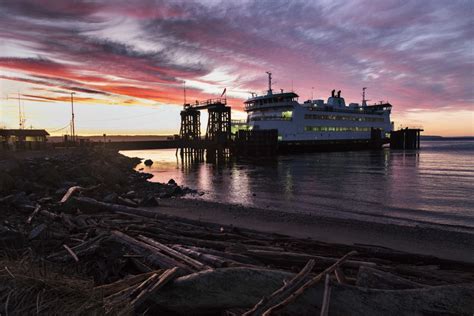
{"points": [[87, 220], [418, 239], [442, 241]]}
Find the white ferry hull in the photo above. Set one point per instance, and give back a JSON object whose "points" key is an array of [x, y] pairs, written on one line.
{"points": [[316, 123]]}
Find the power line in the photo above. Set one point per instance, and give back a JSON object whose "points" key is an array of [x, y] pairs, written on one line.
{"points": [[59, 129], [116, 119]]}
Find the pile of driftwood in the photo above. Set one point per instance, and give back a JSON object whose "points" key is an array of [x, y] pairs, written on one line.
{"points": [[91, 257]]}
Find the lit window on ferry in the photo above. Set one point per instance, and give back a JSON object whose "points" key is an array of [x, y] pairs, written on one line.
{"points": [[287, 115], [336, 129]]}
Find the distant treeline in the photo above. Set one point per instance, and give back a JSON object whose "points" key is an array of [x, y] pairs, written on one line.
{"points": [[428, 137]]}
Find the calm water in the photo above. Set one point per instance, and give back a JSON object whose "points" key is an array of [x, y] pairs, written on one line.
{"points": [[433, 185]]}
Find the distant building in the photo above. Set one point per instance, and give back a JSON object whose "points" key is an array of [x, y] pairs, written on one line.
{"points": [[14, 139]]}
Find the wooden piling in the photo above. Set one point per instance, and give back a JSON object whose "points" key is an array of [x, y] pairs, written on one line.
{"points": [[407, 138]]}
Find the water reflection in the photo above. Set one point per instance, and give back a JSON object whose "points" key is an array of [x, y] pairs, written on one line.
{"points": [[434, 184]]}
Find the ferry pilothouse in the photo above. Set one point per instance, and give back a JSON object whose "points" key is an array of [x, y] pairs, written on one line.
{"points": [[319, 124]]}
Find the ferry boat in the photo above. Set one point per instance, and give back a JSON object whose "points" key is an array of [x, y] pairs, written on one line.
{"points": [[315, 124]]}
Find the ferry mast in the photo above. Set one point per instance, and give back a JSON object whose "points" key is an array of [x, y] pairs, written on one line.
{"points": [[269, 83]]}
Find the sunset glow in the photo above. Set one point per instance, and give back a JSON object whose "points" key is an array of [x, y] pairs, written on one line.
{"points": [[126, 61]]}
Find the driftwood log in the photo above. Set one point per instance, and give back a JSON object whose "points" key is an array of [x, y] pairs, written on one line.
{"points": [[90, 203], [150, 253], [69, 193], [214, 261], [301, 258], [376, 279], [212, 291], [287, 289], [308, 285], [192, 263]]}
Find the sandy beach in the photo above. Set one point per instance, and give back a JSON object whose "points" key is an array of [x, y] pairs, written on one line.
{"points": [[434, 240]]}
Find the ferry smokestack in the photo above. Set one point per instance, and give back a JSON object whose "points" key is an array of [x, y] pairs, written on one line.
{"points": [[364, 100], [332, 93], [339, 93]]}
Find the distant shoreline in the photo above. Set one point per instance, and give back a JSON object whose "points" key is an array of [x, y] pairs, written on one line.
{"points": [[441, 138], [122, 138]]}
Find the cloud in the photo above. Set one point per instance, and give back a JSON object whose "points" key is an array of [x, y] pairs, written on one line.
{"points": [[51, 9], [56, 82], [410, 52]]}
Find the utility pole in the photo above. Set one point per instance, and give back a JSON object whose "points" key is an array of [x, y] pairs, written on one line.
{"points": [[20, 116], [73, 131]]}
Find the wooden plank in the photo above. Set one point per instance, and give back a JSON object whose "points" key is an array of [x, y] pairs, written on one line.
{"points": [[151, 253], [194, 264]]}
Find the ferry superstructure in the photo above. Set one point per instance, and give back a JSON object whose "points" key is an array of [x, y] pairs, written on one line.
{"points": [[315, 122]]}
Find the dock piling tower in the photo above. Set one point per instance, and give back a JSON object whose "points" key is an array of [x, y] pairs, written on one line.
{"points": [[218, 130]]}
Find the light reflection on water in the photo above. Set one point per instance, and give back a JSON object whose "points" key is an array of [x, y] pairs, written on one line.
{"points": [[434, 184]]}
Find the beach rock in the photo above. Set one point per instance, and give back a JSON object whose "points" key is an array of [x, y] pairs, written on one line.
{"points": [[177, 190], [7, 182], [110, 198], [21, 184], [172, 182], [186, 190], [37, 231], [146, 176], [164, 195], [127, 202], [10, 239], [45, 200], [61, 191], [148, 162], [86, 181], [21, 199], [11, 166], [48, 175], [7, 199], [131, 194], [149, 201], [68, 184]]}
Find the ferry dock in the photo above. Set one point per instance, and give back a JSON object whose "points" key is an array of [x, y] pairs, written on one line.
{"points": [[220, 140]]}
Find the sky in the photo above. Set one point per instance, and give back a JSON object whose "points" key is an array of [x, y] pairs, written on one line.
{"points": [[126, 61]]}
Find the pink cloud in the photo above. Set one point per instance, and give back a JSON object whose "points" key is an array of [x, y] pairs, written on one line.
{"points": [[413, 53]]}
